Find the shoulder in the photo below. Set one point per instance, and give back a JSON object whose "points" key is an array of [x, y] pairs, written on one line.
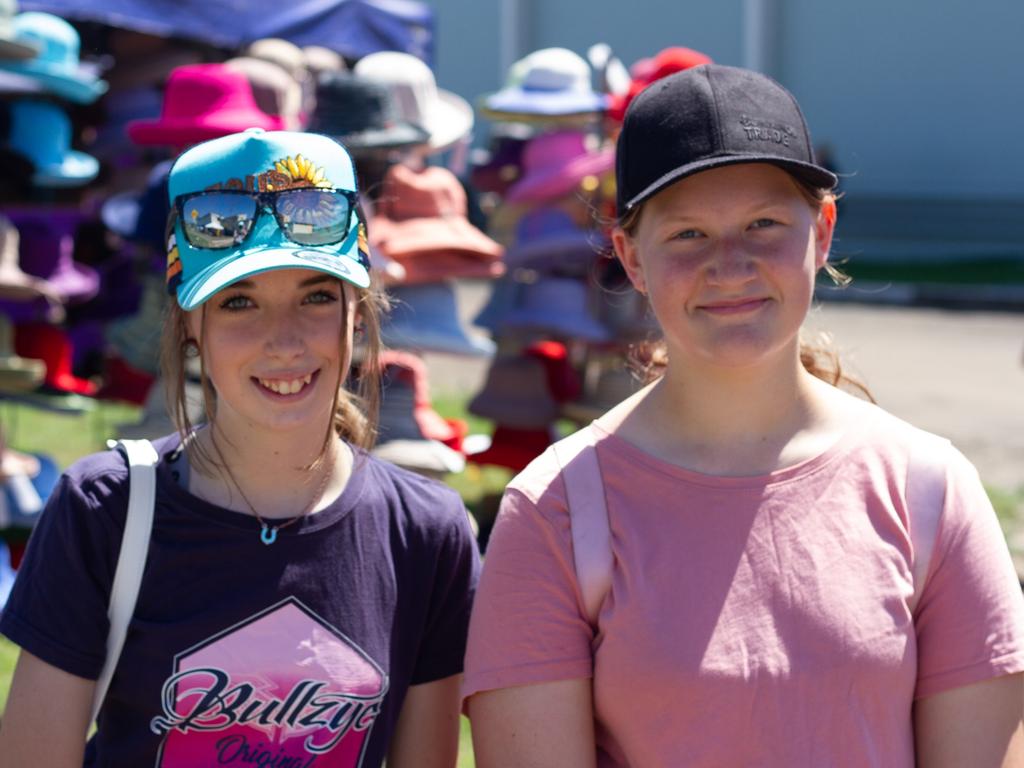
{"points": [[878, 432], [415, 501]]}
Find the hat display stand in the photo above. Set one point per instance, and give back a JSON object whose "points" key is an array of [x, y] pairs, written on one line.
{"points": [[553, 201]]}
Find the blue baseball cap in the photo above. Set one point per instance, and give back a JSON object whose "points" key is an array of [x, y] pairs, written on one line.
{"points": [[259, 160]]}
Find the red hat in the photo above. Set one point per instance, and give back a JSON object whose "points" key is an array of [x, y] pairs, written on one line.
{"points": [[513, 448], [646, 71], [51, 345]]}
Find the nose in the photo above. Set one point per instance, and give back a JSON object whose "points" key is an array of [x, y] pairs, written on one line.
{"points": [[283, 337], [731, 265]]}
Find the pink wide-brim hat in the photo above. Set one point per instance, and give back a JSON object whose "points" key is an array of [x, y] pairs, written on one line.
{"points": [[555, 163], [422, 213], [202, 102]]}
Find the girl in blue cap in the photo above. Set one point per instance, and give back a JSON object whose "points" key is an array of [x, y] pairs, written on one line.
{"points": [[302, 602], [786, 574]]}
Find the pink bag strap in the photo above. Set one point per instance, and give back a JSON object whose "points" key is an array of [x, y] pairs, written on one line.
{"points": [[588, 515], [926, 499]]}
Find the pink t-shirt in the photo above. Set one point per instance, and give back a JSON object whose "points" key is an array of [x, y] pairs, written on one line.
{"points": [[752, 620]]}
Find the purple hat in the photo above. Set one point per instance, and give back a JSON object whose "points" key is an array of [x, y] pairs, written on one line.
{"points": [[555, 163], [548, 237], [14, 282], [48, 254]]}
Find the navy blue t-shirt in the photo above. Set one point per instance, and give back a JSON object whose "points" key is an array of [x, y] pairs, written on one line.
{"points": [[299, 653]]}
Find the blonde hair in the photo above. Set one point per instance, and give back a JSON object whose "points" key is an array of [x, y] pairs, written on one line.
{"points": [[818, 355], [355, 412]]}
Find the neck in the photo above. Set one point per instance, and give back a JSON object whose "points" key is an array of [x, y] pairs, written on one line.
{"points": [[270, 477], [731, 421]]}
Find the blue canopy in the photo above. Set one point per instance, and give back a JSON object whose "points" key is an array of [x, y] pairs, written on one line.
{"points": [[354, 28]]}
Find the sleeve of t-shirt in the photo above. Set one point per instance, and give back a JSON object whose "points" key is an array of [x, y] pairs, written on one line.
{"points": [[970, 618], [57, 609], [528, 624], [444, 643]]}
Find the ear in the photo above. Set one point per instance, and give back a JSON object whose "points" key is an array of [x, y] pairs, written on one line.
{"points": [[824, 228], [626, 250]]}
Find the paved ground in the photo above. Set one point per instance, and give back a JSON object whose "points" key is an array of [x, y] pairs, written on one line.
{"points": [[956, 373]]}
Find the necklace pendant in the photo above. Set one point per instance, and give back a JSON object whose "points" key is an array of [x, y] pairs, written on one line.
{"points": [[268, 535]]}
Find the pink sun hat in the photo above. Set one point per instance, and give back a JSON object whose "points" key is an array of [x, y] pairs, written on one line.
{"points": [[555, 163], [202, 102]]}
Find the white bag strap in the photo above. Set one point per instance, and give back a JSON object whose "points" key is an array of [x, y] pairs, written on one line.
{"points": [[142, 459], [588, 516], [926, 499]]}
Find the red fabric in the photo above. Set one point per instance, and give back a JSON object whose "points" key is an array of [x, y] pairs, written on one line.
{"points": [[646, 71], [51, 345], [123, 382]]}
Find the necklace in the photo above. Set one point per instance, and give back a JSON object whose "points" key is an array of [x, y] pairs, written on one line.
{"points": [[268, 532]]}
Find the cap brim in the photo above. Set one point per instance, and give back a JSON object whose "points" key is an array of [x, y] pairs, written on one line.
{"points": [[235, 267], [814, 175]]}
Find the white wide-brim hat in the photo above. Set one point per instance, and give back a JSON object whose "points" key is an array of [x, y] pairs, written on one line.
{"points": [[446, 116]]}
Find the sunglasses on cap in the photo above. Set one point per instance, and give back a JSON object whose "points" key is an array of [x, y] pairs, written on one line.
{"points": [[224, 218]]}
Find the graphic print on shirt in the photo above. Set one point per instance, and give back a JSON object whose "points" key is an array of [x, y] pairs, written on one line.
{"points": [[282, 688]]}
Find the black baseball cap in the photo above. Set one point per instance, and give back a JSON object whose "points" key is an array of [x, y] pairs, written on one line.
{"points": [[705, 117]]}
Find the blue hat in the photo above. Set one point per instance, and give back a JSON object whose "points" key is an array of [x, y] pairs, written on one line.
{"points": [[258, 159], [41, 131], [57, 66], [425, 317], [550, 82]]}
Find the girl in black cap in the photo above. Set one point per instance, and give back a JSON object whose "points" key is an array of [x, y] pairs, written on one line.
{"points": [[742, 564]]}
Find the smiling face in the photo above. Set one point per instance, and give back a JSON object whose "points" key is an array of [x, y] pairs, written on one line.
{"points": [[728, 259], [274, 347]]}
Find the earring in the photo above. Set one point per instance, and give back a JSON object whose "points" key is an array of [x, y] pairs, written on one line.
{"points": [[359, 331], [190, 348]]}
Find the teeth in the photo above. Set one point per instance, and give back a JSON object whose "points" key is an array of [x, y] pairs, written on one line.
{"points": [[289, 387]]}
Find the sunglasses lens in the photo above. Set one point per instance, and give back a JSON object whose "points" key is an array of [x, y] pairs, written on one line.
{"points": [[215, 221], [313, 216]]}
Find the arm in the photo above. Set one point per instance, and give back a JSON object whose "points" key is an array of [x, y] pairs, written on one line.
{"points": [[47, 716], [981, 725], [546, 725], [427, 732]]}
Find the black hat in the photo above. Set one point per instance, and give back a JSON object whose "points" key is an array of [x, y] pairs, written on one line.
{"points": [[706, 117], [361, 114]]}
